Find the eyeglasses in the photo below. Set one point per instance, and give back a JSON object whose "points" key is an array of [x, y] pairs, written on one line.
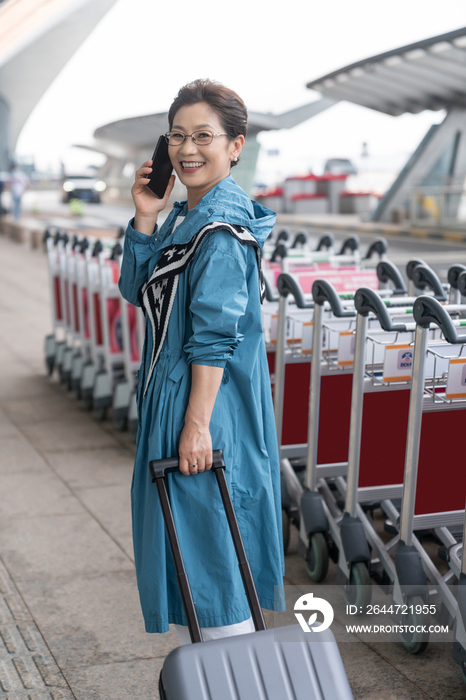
{"points": [[200, 138]]}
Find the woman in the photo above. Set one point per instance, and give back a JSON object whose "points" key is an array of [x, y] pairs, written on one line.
{"points": [[204, 378]]}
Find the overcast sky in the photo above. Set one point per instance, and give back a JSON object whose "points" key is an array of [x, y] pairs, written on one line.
{"points": [[142, 52]]}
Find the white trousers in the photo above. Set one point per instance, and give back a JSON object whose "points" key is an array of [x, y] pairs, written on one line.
{"points": [[209, 633]]}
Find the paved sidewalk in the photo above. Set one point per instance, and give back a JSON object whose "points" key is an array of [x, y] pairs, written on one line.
{"points": [[70, 622]]}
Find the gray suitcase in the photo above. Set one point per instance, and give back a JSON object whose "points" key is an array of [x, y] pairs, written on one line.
{"points": [[260, 666]]}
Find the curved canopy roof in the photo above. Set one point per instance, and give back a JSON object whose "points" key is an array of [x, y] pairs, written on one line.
{"points": [[138, 132], [429, 74]]}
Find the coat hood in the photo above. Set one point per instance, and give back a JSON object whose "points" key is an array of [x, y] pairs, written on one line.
{"points": [[226, 202]]}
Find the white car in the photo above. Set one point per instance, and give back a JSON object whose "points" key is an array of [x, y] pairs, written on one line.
{"points": [[83, 187]]}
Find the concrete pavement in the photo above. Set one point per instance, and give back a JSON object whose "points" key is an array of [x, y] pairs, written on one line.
{"points": [[70, 622]]}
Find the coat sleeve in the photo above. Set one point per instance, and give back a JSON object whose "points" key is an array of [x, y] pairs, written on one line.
{"points": [[219, 297], [137, 253]]}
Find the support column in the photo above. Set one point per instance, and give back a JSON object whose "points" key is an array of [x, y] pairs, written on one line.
{"points": [[5, 143]]}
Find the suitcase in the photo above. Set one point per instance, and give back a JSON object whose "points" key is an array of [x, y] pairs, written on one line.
{"points": [[292, 665]]}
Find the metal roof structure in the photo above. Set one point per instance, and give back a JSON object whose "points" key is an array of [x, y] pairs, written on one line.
{"points": [[140, 132], [37, 39], [429, 74]]}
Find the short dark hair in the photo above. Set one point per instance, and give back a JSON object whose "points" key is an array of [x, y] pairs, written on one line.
{"points": [[229, 106]]}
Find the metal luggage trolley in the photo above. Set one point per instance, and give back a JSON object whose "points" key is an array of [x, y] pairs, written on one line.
{"points": [[327, 453], [56, 339], [437, 406]]}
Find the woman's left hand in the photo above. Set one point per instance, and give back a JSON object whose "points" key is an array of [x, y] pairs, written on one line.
{"points": [[195, 448]]}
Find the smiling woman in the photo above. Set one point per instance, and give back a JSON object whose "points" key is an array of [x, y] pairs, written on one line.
{"points": [[204, 376]]}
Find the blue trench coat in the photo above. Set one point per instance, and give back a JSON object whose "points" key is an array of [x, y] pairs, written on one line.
{"points": [[216, 321]]}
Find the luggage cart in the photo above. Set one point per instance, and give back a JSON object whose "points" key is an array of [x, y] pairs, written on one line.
{"points": [[125, 389], [56, 339], [442, 411], [82, 354], [108, 297], [72, 312]]}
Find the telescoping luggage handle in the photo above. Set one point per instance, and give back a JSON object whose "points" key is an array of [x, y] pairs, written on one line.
{"points": [[158, 468]]}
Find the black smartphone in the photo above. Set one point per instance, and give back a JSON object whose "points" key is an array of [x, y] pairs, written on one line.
{"points": [[161, 169]]}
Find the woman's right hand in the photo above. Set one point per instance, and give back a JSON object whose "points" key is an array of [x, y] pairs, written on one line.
{"points": [[148, 206]]}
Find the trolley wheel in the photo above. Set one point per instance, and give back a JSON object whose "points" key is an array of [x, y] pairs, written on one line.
{"points": [[88, 403], [415, 642], [161, 690], [286, 530], [120, 424], [360, 591], [100, 413], [316, 561]]}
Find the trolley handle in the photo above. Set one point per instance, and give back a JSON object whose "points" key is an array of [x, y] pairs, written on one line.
{"points": [[57, 238], [380, 247], [299, 240], [75, 243], [462, 284], [351, 244], [65, 239], [47, 235], [84, 245], [269, 293], [323, 291], [427, 310], [279, 252], [284, 235], [454, 274], [411, 266], [424, 276], [326, 242], [117, 250], [367, 301], [98, 248], [387, 271], [287, 284]]}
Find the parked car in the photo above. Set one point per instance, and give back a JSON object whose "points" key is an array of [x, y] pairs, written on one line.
{"points": [[340, 166], [83, 187]]}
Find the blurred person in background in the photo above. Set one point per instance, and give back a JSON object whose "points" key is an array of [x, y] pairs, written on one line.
{"points": [[19, 183], [204, 380]]}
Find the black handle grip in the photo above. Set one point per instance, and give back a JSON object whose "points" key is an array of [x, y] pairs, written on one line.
{"points": [[284, 235], [428, 310], [453, 274], [326, 242], [324, 291], [411, 266], [279, 253], [387, 271], [75, 243], [462, 284], [299, 240], [350, 244], [46, 236], [286, 284], [159, 467], [121, 232], [84, 245], [65, 238], [57, 237], [98, 248], [378, 247], [269, 292], [117, 250], [367, 301], [424, 276]]}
